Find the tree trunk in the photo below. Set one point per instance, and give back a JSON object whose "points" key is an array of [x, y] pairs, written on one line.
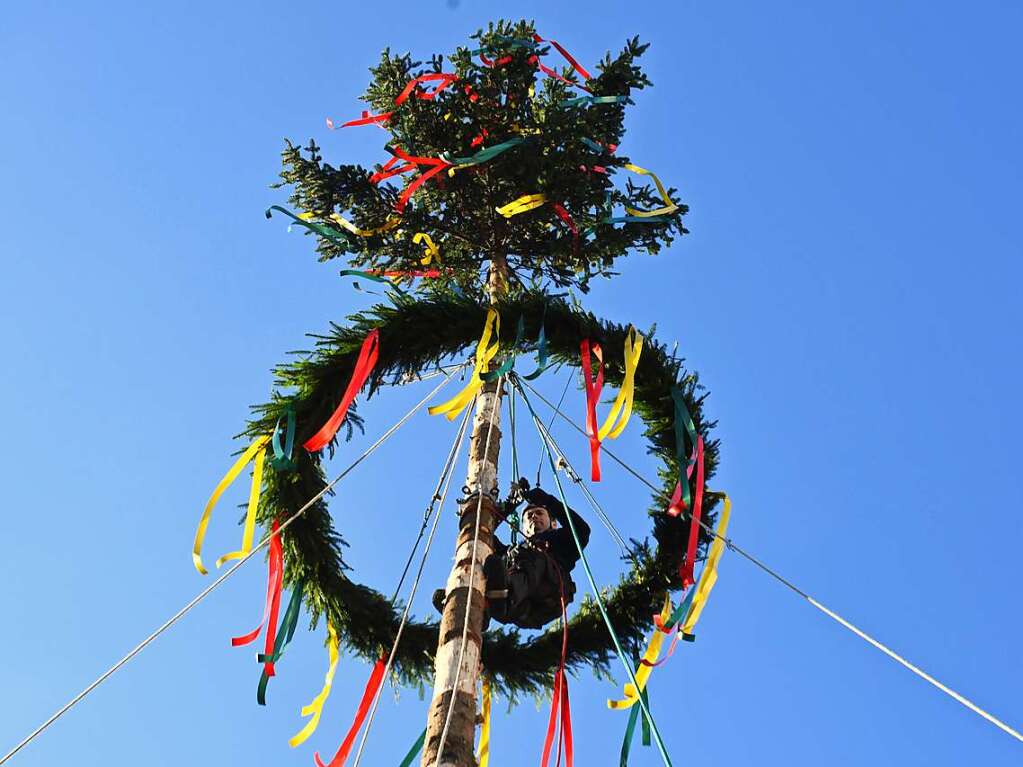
{"points": [[481, 481]]}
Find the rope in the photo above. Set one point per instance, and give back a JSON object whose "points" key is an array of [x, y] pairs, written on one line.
{"points": [[563, 463], [441, 495], [437, 496], [792, 587], [549, 425], [472, 578], [227, 574], [593, 583]]}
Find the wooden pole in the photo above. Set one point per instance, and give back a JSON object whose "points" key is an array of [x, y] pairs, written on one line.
{"points": [[462, 594]]}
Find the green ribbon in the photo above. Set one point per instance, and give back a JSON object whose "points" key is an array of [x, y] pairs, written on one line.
{"points": [[414, 751], [282, 460], [679, 613], [682, 418], [287, 630], [541, 349], [484, 154], [517, 42], [592, 145], [630, 730], [578, 100], [372, 277], [324, 231]]}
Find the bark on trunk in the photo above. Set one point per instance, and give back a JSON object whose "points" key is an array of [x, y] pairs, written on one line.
{"points": [[462, 595]]}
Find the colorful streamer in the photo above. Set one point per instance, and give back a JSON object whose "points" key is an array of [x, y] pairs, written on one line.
{"points": [[580, 100], [485, 352], [366, 119], [683, 424], [568, 57], [630, 730], [333, 235], [275, 574], [686, 571], [232, 474], [363, 367], [666, 625], [483, 754], [646, 665], [249, 531], [282, 460], [483, 155], [445, 80], [509, 364], [593, 388], [567, 219], [281, 640], [541, 349], [669, 206], [413, 752], [621, 410], [315, 708], [523, 204], [432, 251], [709, 576], [376, 678]]}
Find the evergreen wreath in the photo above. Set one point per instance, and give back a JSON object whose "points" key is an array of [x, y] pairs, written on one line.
{"points": [[414, 336]]}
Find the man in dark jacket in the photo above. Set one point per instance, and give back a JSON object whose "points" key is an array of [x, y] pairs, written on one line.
{"points": [[528, 582]]}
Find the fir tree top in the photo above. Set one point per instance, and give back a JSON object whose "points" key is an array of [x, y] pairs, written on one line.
{"points": [[493, 124]]}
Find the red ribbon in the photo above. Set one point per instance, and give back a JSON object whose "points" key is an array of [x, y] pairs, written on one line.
{"points": [[568, 57], [499, 63], [593, 388], [686, 571], [366, 119], [363, 367], [479, 139], [564, 216], [274, 581], [372, 686], [445, 78], [437, 166], [389, 169], [560, 704]]}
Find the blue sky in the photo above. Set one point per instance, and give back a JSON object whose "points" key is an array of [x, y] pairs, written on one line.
{"points": [[846, 294]]}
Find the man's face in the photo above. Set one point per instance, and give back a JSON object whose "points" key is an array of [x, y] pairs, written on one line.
{"points": [[535, 520]]}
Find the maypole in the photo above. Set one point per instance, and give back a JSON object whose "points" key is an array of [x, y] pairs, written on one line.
{"points": [[451, 721]]}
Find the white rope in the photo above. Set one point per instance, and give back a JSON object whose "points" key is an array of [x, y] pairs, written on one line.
{"points": [[788, 584], [472, 577], [227, 574], [438, 493]]}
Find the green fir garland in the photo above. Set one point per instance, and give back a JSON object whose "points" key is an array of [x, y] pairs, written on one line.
{"points": [[416, 335]]}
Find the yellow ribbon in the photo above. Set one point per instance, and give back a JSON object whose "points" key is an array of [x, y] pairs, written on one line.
{"points": [[390, 223], [524, 203], [623, 402], [230, 477], [432, 251], [485, 352], [316, 707], [709, 575], [483, 755], [249, 531], [669, 206], [653, 649]]}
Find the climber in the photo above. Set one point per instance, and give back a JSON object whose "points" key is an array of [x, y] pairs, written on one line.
{"points": [[525, 582]]}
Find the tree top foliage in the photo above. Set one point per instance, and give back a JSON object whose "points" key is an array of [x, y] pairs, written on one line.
{"points": [[543, 129]]}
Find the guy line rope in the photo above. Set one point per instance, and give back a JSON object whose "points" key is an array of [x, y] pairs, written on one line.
{"points": [[792, 587], [439, 496], [227, 574]]}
